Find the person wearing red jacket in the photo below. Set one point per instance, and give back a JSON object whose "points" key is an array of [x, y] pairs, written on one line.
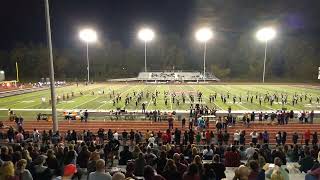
{"points": [[164, 138], [232, 157], [208, 137], [169, 139], [307, 136]]}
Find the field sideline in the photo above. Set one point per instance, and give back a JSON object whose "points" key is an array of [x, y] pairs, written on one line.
{"points": [[31, 103]]}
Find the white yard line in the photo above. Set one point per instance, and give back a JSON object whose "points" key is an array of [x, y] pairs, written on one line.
{"points": [[85, 89]]}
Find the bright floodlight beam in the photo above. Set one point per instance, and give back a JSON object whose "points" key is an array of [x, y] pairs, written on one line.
{"points": [[88, 36], [203, 35], [265, 34], [145, 35]]}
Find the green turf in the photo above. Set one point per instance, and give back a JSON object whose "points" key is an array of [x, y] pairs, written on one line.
{"points": [[32, 101]]}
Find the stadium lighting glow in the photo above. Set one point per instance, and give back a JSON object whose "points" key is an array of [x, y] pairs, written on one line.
{"points": [[266, 34], [146, 34], [1, 72], [204, 34], [88, 35]]}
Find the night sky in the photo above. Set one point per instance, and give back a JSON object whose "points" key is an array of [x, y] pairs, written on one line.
{"points": [[24, 20]]}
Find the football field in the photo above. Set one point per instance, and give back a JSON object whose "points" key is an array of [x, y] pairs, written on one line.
{"points": [[101, 97]]}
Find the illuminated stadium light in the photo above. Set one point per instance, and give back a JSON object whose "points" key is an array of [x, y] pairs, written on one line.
{"points": [[266, 34], [145, 35], [204, 34], [88, 35]]}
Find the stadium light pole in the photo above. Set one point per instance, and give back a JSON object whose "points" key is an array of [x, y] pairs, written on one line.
{"points": [[265, 34], [88, 36], [52, 84], [145, 35], [203, 35]]}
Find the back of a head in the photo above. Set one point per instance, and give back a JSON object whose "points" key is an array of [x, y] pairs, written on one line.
{"points": [[216, 158], [140, 155], [193, 169], [276, 175], [254, 165], [148, 172], [100, 165], [85, 148], [242, 172], [176, 157], [130, 167], [118, 176], [255, 155], [170, 166], [21, 164], [277, 161], [233, 148], [7, 169], [94, 156], [197, 159]]}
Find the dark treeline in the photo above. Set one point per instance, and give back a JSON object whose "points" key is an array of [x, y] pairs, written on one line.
{"points": [[237, 57]]}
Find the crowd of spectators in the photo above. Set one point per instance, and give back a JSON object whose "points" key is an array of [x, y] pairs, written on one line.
{"points": [[152, 155]]}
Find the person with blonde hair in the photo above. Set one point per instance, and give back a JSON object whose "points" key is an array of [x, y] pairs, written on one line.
{"points": [[270, 172], [7, 171], [276, 174], [118, 176], [21, 170], [241, 173], [197, 160], [194, 152]]}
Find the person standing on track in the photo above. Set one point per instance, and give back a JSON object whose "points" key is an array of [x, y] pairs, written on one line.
{"points": [[86, 115], [170, 122]]}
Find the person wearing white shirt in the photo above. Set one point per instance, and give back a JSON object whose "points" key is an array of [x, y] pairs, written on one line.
{"points": [[236, 137], [250, 151], [116, 135], [254, 135], [151, 140], [207, 153]]}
